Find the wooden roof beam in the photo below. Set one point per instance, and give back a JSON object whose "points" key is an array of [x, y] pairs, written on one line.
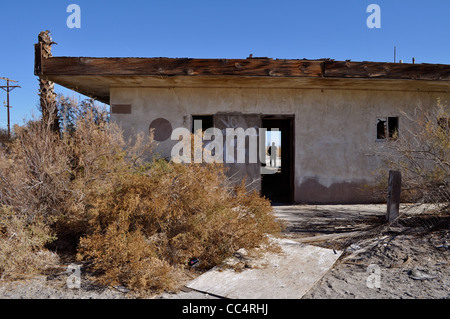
{"points": [[236, 67]]}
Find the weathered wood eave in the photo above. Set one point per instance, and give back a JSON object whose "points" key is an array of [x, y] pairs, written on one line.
{"points": [[239, 67], [95, 76]]}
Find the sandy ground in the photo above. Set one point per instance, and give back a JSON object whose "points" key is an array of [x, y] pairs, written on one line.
{"points": [[405, 259], [408, 259], [398, 266]]}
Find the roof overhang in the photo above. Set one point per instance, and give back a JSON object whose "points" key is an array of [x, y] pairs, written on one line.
{"points": [[95, 77]]}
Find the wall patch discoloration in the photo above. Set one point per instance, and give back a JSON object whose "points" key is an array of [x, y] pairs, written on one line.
{"points": [[121, 109], [161, 129], [311, 191]]}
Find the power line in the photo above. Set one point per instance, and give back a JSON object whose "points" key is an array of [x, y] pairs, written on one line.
{"points": [[8, 88]]}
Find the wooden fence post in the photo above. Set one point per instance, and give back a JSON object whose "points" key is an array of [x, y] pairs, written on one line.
{"points": [[394, 190]]}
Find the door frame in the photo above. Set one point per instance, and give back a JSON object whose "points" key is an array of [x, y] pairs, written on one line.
{"points": [[291, 119]]}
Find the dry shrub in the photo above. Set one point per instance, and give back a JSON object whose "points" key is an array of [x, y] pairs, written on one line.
{"points": [[168, 214], [47, 177], [33, 188], [138, 222], [4, 138], [34, 174], [123, 256], [22, 251], [97, 150], [421, 152]]}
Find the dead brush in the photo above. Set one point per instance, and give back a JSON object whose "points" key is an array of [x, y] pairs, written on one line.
{"points": [[22, 251], [421, 152], [177, 212], [34, 174], [139, 222], [46, 178]]}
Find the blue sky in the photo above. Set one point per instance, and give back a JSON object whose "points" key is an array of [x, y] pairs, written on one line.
{"points": [[217, 29]]}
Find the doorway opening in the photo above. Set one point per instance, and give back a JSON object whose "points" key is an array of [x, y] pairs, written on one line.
{"points": [[278, 178], [206, 120]]}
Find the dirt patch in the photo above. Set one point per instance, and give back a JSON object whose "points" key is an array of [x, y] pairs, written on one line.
{"points": [[55, 287], [409, 266], [405, 259]]}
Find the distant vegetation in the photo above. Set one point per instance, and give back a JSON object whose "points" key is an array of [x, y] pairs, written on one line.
{"points": [[4, 138]]}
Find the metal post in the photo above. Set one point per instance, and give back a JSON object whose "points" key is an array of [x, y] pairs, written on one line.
{"points": [[7, 108]]}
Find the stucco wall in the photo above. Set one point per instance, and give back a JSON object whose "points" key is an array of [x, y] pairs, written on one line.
{"points": [[333, 128]]}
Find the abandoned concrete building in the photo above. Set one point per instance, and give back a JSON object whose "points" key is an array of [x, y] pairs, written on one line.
{"points": [[328, 112]]}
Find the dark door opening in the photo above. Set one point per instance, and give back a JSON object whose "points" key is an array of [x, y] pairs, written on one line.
{"points": [[278, 177], [207, 122]]}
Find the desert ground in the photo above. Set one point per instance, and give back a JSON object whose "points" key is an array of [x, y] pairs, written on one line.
{"points": [[408, 258]]}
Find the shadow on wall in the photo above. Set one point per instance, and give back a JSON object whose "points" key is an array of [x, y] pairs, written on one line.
{"points": [[312, 192]]}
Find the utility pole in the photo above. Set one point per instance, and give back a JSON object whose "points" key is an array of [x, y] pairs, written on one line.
{"points": [[8, 88]]}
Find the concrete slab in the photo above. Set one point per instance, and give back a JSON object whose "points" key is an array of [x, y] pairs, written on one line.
{"points": [[288, 275]]}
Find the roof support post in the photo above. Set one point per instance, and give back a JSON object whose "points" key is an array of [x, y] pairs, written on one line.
{"points": [[49, 109]]}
